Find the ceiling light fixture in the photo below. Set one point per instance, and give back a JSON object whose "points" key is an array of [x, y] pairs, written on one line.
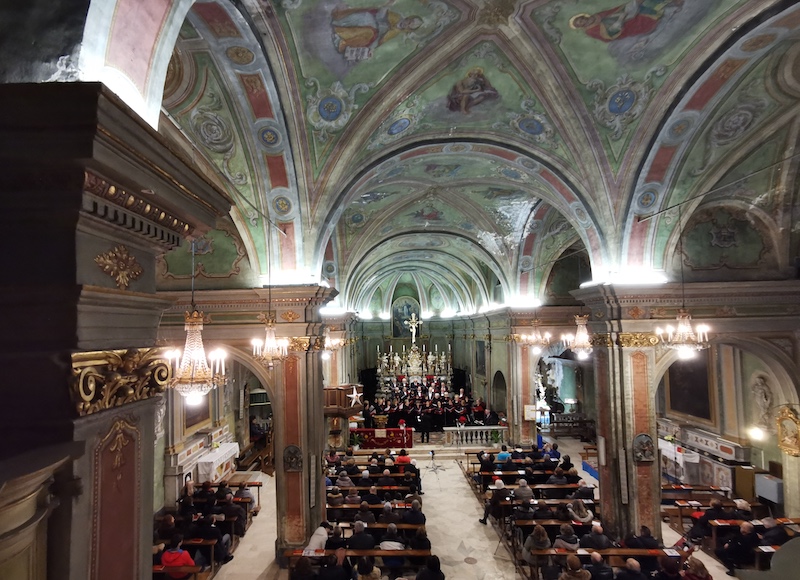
{"points": [[272, 349], [684, 338], [579, 343], [537, 339], [194, 375]]}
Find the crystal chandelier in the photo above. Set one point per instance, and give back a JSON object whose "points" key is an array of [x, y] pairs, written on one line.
{"points": [[579, 343], [272, 349], [194, 375], [537, 340], [684, 339]]}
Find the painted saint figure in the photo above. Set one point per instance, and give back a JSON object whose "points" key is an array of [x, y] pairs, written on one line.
{"points": [[634, 18], [470, 91], [357, 31]]}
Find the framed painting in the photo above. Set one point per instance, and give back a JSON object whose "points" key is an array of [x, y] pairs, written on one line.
{"points": [[196, 417], [402, 309], [789, 432], [688, 386]]}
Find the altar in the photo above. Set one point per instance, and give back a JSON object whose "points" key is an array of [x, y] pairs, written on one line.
{"points": [[217, 463], [383, 438]]}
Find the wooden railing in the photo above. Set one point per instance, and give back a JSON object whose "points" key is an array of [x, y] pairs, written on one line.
{"points": [[480, 436]]}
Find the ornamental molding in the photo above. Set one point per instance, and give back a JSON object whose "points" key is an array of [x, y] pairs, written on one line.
{"points": [[120, 265], [107, 379], [602, 339], [290, 316], [299, 343], [637, 339]]}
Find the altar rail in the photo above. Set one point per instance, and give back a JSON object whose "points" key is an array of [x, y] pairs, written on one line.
{"points": [[481, 436]]}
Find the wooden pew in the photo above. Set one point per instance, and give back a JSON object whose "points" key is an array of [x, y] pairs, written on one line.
{"points": [[349, 510], [615, 556], [160, 571], [292, 556]]}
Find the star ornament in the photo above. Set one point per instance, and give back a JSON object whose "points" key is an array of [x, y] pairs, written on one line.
{"points": [[355, 398]]}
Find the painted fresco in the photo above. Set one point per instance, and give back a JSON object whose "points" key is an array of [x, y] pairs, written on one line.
{"points": [[634, 46], [345, 51], [481, 90]]}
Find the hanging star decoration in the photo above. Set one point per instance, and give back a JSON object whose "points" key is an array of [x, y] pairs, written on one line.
{"points": [[355, 398]]}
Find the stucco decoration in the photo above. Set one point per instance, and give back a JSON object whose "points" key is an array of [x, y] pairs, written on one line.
{"points": [[120, 265], [292, 458]]}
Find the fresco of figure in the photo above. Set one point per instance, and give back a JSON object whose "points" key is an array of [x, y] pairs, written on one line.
{"points": [[470, 91], [634, 18], [358, 31]]}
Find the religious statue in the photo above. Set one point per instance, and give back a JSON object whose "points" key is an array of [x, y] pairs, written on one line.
{"points": [[763, 399], [412, 324]]}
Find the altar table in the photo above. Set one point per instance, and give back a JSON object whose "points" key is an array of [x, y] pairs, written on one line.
{"points": [[383, 438], [217, 462]]}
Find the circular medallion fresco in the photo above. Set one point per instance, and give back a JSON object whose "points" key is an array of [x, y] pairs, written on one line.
{"points": [[399, 126], [526, 264], [330, 108], [647, 199], [621, 101], [269, 137], [282, 205], [329, 268], [511, 173], [530, 126], [240, 55], [580, 214]]}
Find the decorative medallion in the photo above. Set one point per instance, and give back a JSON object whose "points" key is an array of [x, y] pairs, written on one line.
{"points": [[531, 124], [580, 214], [292, 458], [647, 199], [240, 55], [355, 220], [619, 105], [107, 379], [635, 312], [282, 205], [526, 264], [643, 448], [269, 137], [290, 316], [681, 127], [330, 109], [399, 126], [120, 265], [329, 268]]}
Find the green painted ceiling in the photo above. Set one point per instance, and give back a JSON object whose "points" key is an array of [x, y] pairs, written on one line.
{"points": [[457, 147]]}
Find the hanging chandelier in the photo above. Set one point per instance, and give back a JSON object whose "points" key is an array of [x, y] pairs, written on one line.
{"points": [[580, 343], [195, 375], [537, 339], [272, 349], [684, 338]]}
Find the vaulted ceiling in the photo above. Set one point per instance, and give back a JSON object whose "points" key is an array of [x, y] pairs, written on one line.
{"points": [[460, 148]]}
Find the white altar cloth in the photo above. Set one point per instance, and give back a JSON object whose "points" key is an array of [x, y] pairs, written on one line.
{"points": [[207, 465]]}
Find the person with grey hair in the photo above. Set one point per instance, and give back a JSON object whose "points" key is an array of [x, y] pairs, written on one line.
{"points": [[740, 549], [596, 539], [584, 491], [360, 540], [774, 533], [598, 568], [388, 515], [392, 541], [386, 480], [344, 480], [414, 515], [373, 466], [365, 481], [631, 571], [494, 506], [524, 491]]}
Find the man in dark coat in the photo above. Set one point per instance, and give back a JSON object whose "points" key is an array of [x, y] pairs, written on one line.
{"points": [[740, 549], [493, 506]]}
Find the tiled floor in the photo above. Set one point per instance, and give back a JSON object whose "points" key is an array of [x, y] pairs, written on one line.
{"points": [[467, 549]]}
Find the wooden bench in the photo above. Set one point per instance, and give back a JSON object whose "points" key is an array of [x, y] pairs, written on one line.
{"points": [[616, 556], [161, 571], [292, 556]]}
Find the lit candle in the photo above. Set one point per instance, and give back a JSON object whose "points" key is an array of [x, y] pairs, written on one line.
{"points": [[404, 348], [423, 348], [391, 348], [378, 348], [436, 348]]}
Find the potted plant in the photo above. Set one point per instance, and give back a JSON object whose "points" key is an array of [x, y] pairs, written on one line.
{"points": [[355, 441], [495, 437]]}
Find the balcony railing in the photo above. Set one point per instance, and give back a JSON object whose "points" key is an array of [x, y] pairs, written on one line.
{"points": [[475, 435]]}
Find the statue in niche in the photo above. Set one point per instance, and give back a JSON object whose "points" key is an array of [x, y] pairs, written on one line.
{"points": [[762, 394]]}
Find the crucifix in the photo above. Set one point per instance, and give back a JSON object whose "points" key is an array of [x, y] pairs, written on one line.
{"points": [[412, 324]]}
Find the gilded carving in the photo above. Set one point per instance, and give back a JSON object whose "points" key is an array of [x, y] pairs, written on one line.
{"points": [[637, 339], [290, 316], [789, 432], [107, 379], [496, 12], [120, 265], [299, 343], [602, 339]]}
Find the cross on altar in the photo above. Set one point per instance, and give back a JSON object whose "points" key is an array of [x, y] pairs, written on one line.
{"points": [[412, 324]]}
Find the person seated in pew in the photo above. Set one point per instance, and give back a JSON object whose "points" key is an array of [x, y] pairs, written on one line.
{"points": [[774, 533], [386, 480], [392, 541], [631, 571], [554, 452], [670, 569], [574, 570], [206, 530], [413, 495], [344, 480], [584, 491], [493, 505], [579, 513], [742, 510], [387, 454], [419, 541], [367, 570], [523, 492], [557, 478], [644, 540], [572, 475], [517, 453], [352, 497], [536, 540], [403, 459], [599, 569], [233, 510], [486, 461], [166, 528], [187, 510], [414, 470], [702, 528], [360, 540], [243, 492], [432, 570], [332, 567], [365, 481], [566, 464], [546, 464], [223, 490], [336, 539], [695, 570], [351, 468], [566, 540], [543, 511], [596, 539], [303, 570], [373, 466], [739, 550], [389, 466], [372, 497], [364, 514], [388, 515], [205, 493], [328, 480], [525, 510], [414, 515], [408, 479], [508, 465], [213, 509], [175, 555], [319, 538], [535, 454], [335, 500], [503, 455], [333, 459]]}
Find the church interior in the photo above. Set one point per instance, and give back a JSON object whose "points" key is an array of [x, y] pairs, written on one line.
{"points": [[576, 211]]}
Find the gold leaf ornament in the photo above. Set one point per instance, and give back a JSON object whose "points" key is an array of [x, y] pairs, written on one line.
{"points": [[120, 265]]}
